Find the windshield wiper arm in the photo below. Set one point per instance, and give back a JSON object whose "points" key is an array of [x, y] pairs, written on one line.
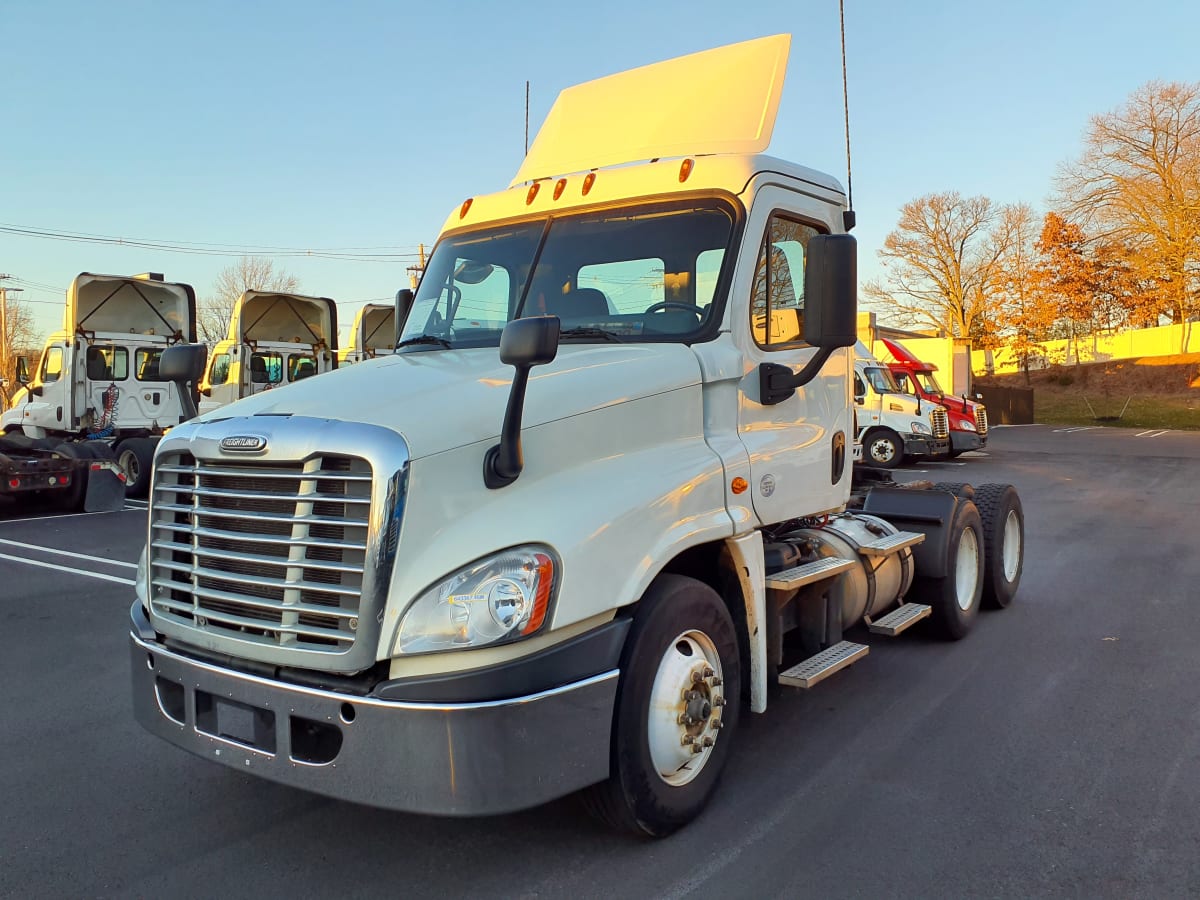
{"points": [[425, 339], [591, 333]]}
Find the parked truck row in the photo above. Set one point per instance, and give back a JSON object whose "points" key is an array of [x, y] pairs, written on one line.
{"points": [[597, 505]]}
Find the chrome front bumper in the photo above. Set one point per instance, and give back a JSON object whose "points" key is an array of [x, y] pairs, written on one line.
{"points": [[447, 759]]}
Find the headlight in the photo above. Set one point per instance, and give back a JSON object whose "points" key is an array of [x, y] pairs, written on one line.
{"points": [[502, 598], [920, 428], [967, 425]]}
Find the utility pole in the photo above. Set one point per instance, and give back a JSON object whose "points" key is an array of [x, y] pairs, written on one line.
{"points": [[415, 272]]}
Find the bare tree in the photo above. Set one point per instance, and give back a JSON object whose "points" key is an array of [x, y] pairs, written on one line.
{"points": [[250, 273], [1138, 183], [20, 336], [940, 264]]}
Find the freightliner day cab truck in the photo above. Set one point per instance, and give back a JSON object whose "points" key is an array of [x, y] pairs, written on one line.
{"points": [[373, 334], [274, 339], [597, 502], [98, 392], [893, 426], [967, 419]]}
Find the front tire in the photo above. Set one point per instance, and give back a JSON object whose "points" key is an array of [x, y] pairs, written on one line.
{"points": [[955, 597], [1004, 537], [883, 449], [672, 727]]}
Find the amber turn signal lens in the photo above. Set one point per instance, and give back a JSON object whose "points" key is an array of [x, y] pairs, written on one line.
{"points": [[560, 187], [739, 485], [466, 207], [533, 189], [588, 180], [685, 169]]}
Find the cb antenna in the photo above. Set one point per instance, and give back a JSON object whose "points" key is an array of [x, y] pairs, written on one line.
{"points": [[848, 214]]}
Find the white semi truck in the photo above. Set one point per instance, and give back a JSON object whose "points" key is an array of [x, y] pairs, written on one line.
{"points": [[97, 391], [372, 334], [274, 339], [894, 426], [589, 513]]}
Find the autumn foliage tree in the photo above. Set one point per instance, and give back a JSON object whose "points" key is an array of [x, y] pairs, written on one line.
{"points": [[1137, 185]]}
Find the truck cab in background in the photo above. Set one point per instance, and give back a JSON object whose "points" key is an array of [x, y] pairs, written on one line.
{"points": [[97, 391], [967, 419], [893, 426], [373, 333], [274, 339]]}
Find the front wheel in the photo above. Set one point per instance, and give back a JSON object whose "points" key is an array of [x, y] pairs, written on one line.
{"points": [[676, 710], [883, 449]]}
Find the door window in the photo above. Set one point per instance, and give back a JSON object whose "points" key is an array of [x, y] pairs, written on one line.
{"points": [[219, 372], [777, 302], [52, 365]]}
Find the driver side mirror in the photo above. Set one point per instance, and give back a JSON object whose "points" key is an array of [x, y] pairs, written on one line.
{"points": [[830, 313], [404, 302], [183, 364], [23, 370]]}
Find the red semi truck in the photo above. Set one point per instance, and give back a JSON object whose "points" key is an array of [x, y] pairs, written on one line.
{"points": [[968, 418]]}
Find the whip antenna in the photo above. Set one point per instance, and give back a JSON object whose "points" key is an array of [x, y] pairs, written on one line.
{"points": [[848, 215]]}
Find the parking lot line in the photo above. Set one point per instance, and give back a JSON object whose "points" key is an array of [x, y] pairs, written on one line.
{"points": [[99, 559], [73, 571]]}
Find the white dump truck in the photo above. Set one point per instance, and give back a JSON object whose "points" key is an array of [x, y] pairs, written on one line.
{"points": [[894, 426], [597, 506], [274, 339], [372, 334], [97, 391]]}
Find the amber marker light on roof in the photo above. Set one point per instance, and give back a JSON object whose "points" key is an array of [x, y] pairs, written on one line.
{"points": [[466, 208], [533, 189], [588, 180], [560, 187], [685, 169], [739, 485]]}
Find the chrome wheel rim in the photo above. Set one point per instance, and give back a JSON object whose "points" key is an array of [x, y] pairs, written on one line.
{"points": [[883, 450]]}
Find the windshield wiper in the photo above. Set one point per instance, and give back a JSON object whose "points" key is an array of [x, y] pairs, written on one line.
{"points": [[424, 339], [592, 333]]}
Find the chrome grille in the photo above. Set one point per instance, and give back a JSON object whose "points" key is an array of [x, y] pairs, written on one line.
{"points": [[271, 553], [941, 422], [981, 423]]}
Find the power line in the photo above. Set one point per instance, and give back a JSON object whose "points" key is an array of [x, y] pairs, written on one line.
{"points": [[360, 254]]}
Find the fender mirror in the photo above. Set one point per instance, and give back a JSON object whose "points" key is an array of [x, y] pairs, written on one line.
{"points": [[524, 343]]}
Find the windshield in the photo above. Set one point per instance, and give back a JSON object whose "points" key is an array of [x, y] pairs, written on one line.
{"points": [[646, 273], [929, 383], [881, 380]]}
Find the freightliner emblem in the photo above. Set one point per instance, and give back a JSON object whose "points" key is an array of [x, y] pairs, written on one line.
{"points": [[244, 442]]}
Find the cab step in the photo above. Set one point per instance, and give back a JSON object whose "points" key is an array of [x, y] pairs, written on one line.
{"points": [[817, 668], [903, 616], [892, 543], [799, 576]]}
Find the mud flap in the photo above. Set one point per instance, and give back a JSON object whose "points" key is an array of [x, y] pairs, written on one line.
{"points": [[105, 488]]}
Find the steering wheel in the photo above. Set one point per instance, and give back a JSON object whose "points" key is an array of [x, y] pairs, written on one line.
{"points": [[674, 304]]}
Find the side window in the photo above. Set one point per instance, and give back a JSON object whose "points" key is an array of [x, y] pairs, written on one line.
{"points": [[708, 268], [482, 295], [266, 368], [218, 373], [51, 365], [777, 303], [902, 382], [145, 364], [300, 366], [107, 363]]}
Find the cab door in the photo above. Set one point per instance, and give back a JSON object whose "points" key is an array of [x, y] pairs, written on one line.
{"points": [[799, 449]]}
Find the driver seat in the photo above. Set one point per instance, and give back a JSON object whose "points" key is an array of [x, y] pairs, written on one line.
{"points": [[581, 303]]}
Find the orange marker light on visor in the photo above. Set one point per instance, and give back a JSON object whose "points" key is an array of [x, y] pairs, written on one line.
{"points": [[739, 485], [533, 189], [588, 180], [685, 169], [560, 187], [466, 207]]}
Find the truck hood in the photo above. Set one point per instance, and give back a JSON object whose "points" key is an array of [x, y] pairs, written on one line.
{"points": [[131, 305], [440, 400]]}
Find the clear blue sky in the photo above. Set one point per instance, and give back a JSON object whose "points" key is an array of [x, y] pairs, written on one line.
{"points": [[362, 124]]}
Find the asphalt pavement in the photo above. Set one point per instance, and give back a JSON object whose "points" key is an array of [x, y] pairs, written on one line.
{"points": [[1053, 753]]}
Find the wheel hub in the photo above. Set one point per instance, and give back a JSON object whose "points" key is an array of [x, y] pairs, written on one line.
{"points": [[685, 708]]}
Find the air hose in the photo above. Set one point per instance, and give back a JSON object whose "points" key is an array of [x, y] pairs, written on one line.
{"points": [[107, 425]]}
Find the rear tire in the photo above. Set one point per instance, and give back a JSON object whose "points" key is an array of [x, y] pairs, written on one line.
{"points": [[957, 488], [73, 497], [955, 597], [1004, 542], [657, 784], [135, 457], [883, 449]]}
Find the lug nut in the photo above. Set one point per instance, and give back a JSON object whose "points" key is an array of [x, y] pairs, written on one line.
{"points": [[708, 742], [716, 724], [687, 739], [718, 701], [708, 673], [716, 682], [697, 677], [696, 748]]}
